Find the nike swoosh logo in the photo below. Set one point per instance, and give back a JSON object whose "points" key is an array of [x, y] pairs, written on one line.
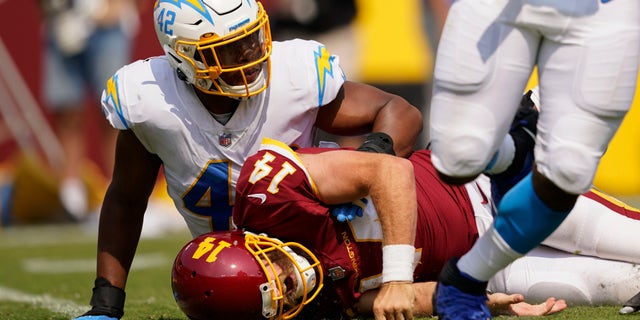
{"points": [[261, 196]]}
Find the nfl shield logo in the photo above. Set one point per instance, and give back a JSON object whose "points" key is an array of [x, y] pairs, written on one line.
{"points": [[224, 139], [336, 273]]}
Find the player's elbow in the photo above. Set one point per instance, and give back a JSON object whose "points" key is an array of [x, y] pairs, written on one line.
{"points": [[395, 169]]}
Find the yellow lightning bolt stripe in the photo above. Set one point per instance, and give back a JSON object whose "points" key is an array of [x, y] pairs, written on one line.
{"points": [[112, 95], [323, 67], [195, 4]]}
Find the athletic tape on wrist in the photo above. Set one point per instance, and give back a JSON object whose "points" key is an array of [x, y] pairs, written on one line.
{"points": [[397, 262]]}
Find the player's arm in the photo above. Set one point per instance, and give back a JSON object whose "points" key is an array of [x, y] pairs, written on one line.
{"points": [[342, 176], [360, 108], [134, 176]]}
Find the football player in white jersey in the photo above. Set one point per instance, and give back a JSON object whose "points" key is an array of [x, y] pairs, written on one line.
{"points": [[201, 109], [587, 53]]}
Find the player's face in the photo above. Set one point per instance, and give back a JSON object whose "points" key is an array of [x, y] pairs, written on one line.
{"points": [[239, 53], [285, 273]]}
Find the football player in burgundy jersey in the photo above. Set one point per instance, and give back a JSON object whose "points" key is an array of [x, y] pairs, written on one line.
{"points": [[280, 191], [288, 196]]}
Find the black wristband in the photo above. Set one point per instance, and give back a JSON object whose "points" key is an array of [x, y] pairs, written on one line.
{"points": [[378, 142], [106, 300]]}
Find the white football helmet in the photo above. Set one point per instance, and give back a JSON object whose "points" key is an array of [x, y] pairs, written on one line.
{"points": [[222, 47]]}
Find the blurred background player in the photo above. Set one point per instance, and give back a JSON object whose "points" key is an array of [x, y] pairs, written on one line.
{"points": [[86, 42], [587, 54], [202, 108]]}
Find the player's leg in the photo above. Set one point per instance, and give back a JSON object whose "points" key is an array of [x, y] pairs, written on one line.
{"points": [[514, 159], [475, 100], [599, 226], [575, 126], [475, 93], [574, 135], [603, 227], [580, 280], [585, 262], [584, 99]]}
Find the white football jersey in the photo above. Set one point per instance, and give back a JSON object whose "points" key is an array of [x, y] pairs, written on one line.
{"points": [[201, 157]]}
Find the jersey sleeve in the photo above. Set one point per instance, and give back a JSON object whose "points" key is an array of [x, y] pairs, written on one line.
{"points": [[114, 101], [312, 68], [328, 73], [135, 91]]}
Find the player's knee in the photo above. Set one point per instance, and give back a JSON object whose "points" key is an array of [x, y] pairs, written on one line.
{"points": [[461, 161], [464, 136], [571, 168], [574, 291]]}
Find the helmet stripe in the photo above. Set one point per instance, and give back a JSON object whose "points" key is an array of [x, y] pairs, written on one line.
{"points": [[197, 5]]}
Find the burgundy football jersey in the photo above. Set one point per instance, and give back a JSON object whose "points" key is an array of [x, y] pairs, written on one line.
{"points": [[276, 196]]}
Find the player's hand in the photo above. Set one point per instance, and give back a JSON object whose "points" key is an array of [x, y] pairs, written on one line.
{"points": [[395, 301], [348, 211], [513, 304], [95, 318]]}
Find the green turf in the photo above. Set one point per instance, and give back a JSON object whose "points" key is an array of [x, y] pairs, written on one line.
{"points": [[27, 292], [30, 291]]}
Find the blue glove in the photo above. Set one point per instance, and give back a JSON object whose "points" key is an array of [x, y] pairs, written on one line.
{"points": [[95, 318], [348, 211]]}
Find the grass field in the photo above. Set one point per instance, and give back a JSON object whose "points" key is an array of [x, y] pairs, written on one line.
{"points": [[47, 272]]}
